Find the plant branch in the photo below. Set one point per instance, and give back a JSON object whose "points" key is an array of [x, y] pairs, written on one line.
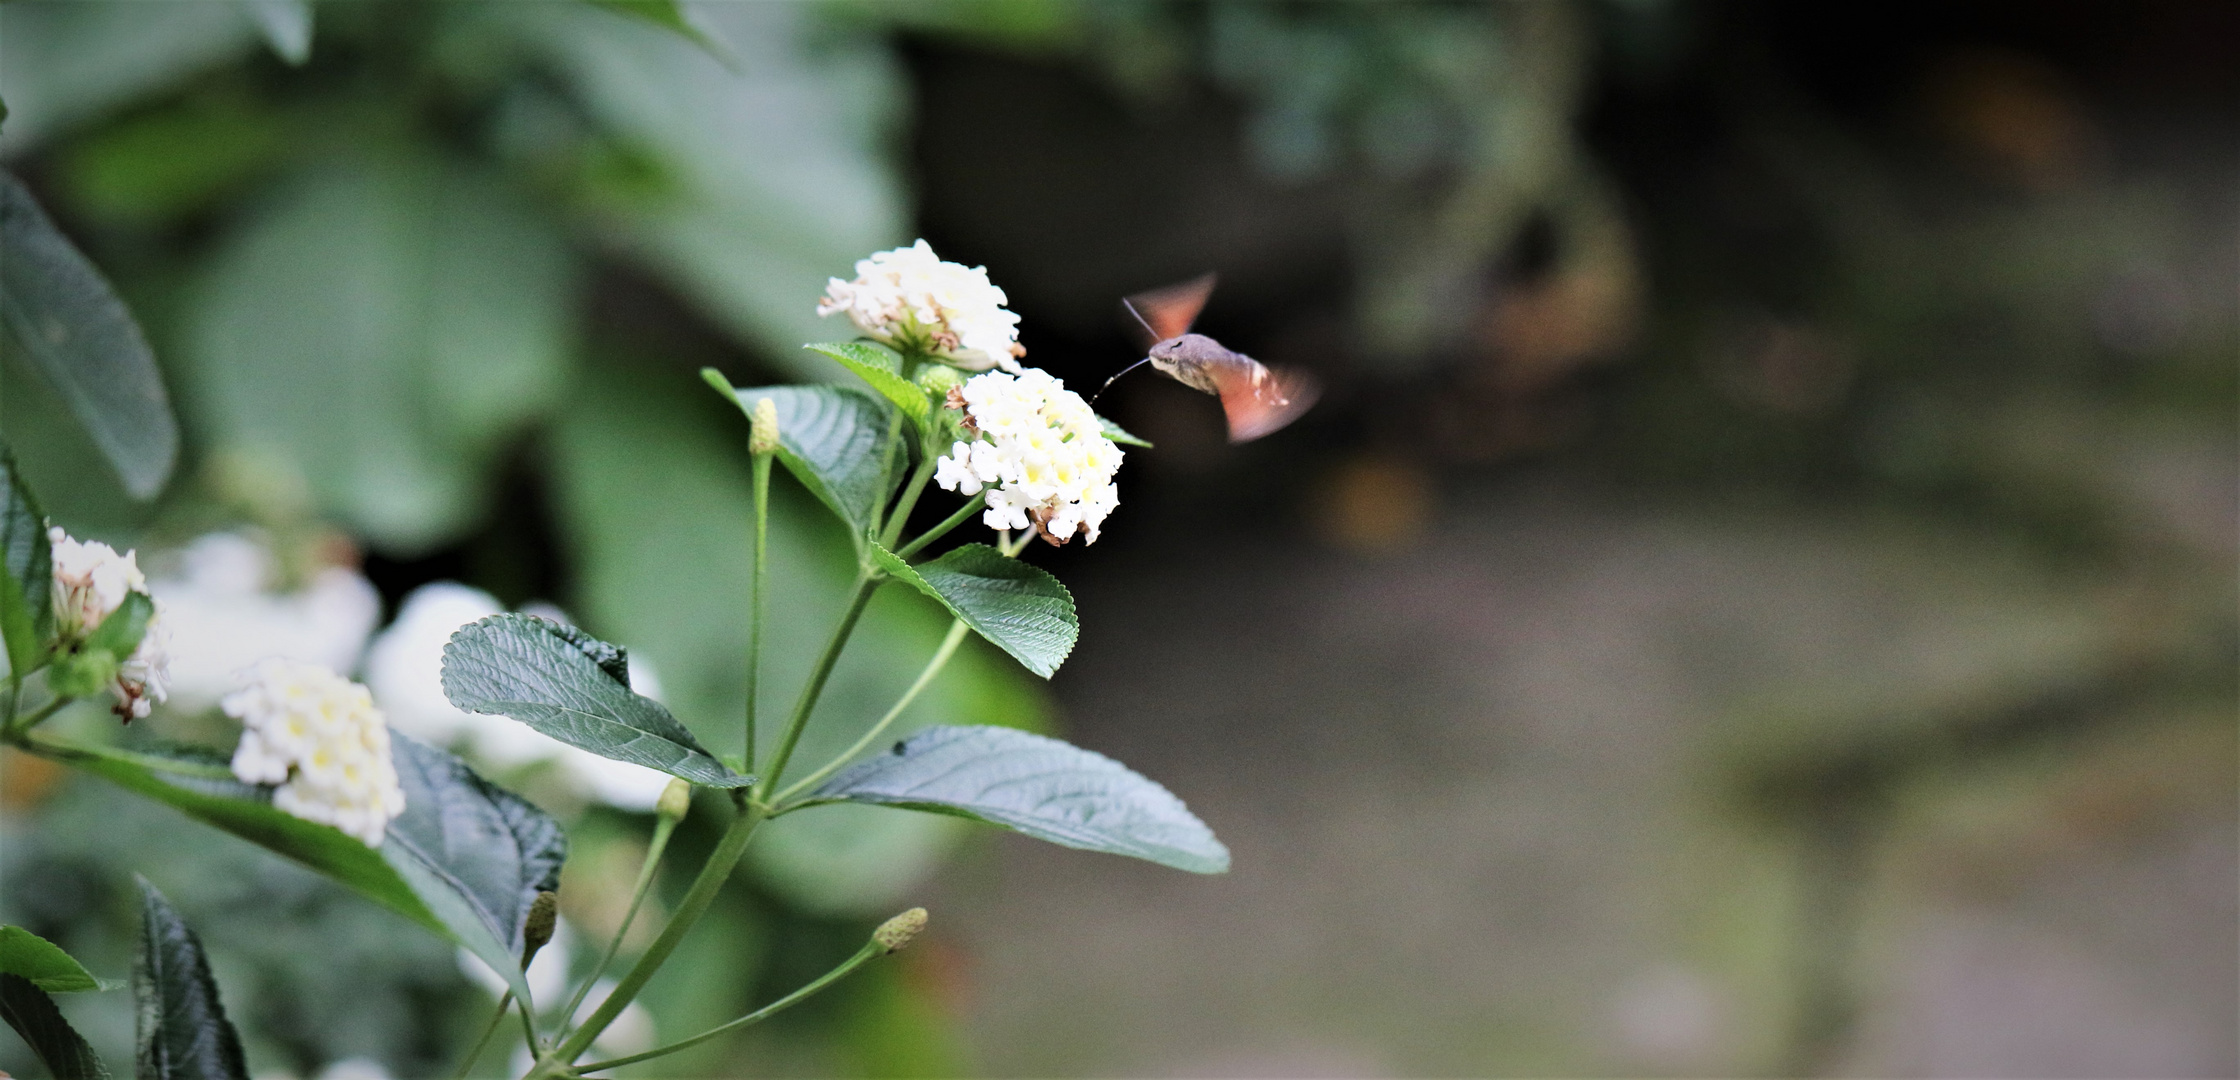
{"points": [[870, 949], [505, 1005], [933, 667], [909, 501], [662, 828], [38, 717], [713, 874], [964, 513], [760, 603], [810, 691]]}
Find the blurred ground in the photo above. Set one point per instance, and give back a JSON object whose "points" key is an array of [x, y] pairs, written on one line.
{"points": [[1485, 796]]}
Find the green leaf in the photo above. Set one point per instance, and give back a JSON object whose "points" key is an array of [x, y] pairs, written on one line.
{"points": [[436, 301], [673, 17], [32, 1014], [474, 853], [1042, 787], [538, 672], [1016, 605], [120, 633], [465, 859], [834, 440], [43, 962], [1118, 434], [180, 1027], [26, 614], [286, 26], [879, 366], [83, 340]]}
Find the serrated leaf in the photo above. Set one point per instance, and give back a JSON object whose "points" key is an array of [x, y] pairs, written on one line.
{"points": [[81, 337], [879, 367], [26, 613], [533, 671], [834, 440], [33, 1015], [466, 859], [1016, 605], [286, 26], [30, 956], [1039, 786], [1120, 435], [473, 853], [180, 1025]]}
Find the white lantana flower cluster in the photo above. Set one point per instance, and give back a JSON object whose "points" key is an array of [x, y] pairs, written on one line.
{"points": [[226, 609], [90, 582], [910, 299], [1039, 451], [317, 736]]}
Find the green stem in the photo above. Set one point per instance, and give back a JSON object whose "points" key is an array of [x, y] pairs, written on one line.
{"points": [[38, 717], [529, 1027], [1013, 547], [761, 579], [964, 513], [869, 950], [662, 827], [505, 1004], [865, 585], [713, 874], [933, 667], [909, 502], [886, 465]]}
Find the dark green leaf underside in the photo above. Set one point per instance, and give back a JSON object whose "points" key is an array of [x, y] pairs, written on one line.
{"points": [[1042, 787], [465, 859], [34, 1017], [542, 674], [181, 1027]]}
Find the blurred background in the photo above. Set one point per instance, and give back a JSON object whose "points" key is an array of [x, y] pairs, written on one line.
{"points": [[1757, 598]]}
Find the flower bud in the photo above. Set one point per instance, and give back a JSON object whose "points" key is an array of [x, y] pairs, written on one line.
{"points": [[940, 379], [762, 436], [82, 673], [896, 932], [544, 914], [676, 800]]}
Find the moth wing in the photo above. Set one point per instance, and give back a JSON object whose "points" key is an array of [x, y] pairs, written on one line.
{"points": [[1168, 313], [1260, 400]]}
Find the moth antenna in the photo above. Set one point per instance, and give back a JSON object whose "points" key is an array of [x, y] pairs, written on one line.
{"points": [[1149, 333], [1123, 371]]}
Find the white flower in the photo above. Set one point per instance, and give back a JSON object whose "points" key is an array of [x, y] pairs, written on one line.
{"points": [[225, 614], [405, 670], [144, 678], [317, 736], [1039, 451], [910, 299], [90, 582]]}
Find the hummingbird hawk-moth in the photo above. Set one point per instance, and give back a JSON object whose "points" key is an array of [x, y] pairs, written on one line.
{"points": [[1257, 399]]}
